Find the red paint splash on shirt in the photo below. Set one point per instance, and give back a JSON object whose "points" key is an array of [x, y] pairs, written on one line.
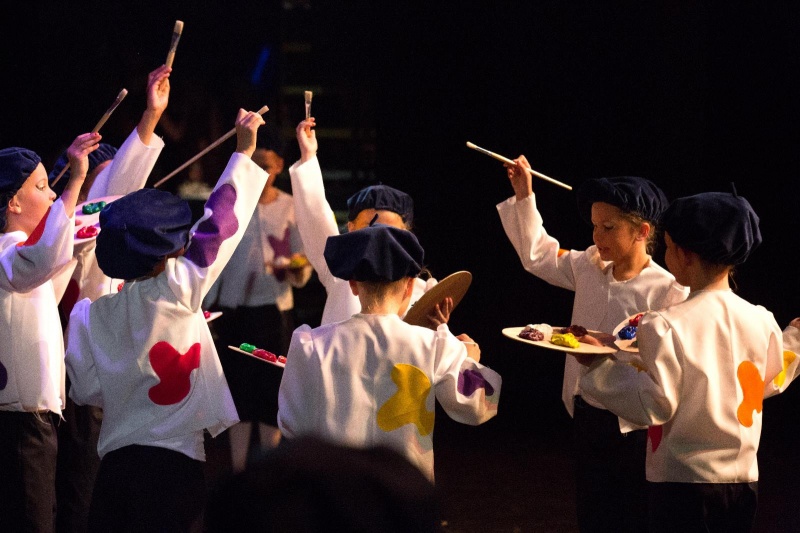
{"points": [[173, 369]]}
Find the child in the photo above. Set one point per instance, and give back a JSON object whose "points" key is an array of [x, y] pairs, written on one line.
{"points": [[35, 243], [145, 354], [111, 172], [254, 293], [316, 223], [373, 379], [709, 363], [612, 280]]}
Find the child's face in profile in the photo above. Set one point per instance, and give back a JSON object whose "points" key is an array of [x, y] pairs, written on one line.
{"points": [[614, 236], [31, 202]]}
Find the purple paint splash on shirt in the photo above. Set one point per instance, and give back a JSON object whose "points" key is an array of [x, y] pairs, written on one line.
{"points": [[471, 380], [214, 230], [281, 248]]}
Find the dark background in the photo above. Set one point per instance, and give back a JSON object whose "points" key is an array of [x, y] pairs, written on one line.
{"points": [[692, 95]]}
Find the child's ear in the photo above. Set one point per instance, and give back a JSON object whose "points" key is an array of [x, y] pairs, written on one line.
{"points": [[14, 205], [409, 287], [644, 230]]}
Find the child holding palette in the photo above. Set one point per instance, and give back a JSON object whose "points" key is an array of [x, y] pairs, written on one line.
{"points": [[373, 379], [612, 280], [709, 363], [36, 234]]}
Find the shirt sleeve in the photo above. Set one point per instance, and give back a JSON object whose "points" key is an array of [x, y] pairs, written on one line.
{"points": [[218, 232], [84, 381], [790, 360], [315, 219], [26, 265], [645, 396], [298, 397], [467, 391], [129, 169], [539, 253]]}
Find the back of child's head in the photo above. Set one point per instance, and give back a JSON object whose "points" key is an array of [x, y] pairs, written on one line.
{"points": [[104, 152], [720, 227], [377, 253], [381, 197], [16, 165], [138, 230], [630, 194]]}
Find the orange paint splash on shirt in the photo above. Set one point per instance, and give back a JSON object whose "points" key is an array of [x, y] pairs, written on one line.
{"points": [[752, 391]]}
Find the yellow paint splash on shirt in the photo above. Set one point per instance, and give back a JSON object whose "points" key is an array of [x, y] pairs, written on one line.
{"points": [[788, 359], [407, 405], [752, 391]]}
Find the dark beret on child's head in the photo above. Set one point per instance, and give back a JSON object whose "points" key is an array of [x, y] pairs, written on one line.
{"points": [[139, 230], [381, 197], [720, 227], [630, 193], [103, 153], [16, 165], [374, 253]]}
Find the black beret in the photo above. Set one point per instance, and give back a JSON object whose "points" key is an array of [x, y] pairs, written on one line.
{"points": [[138, 230], [722, 228], [375, 253], [103, 153], [629, 193], [16, 165], [381, 197]]}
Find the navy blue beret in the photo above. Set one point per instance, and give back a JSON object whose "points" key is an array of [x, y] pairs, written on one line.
{"points": [[381, 197], [16, 165], [103, 153], [138, 230], [375, 253], [629, 193], [720, 227]]}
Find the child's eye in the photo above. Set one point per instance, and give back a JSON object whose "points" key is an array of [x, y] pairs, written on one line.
{"points": [[41, 187]]}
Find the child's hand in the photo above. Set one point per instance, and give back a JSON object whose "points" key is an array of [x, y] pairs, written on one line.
{"points": [[520, 179], [78, 154], [441, 313], [473, 350], [247, 124], [307, 139], [158, 89]]}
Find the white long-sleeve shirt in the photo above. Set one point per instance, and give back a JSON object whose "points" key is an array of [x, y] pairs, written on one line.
{"points": [[601, 302], [710, 361], [145, 354], [31, 341], [374, 380]]}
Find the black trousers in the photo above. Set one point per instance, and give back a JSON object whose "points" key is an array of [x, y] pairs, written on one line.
{"points": [[702, 507], [28, 448], [610, 472], [78, 463], [147, 489]]}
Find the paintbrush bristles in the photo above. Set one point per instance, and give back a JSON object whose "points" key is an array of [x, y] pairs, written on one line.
{"points": [[308, 95], [178, 27]]}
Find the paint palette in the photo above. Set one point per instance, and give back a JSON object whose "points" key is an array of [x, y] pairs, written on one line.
{"points": [[513, 333], [87, 215]]}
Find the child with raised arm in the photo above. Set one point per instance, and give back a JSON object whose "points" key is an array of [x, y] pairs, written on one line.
{"points": [[145, 354], [111, 172], [36, 234], [373, 379], [708, 364], [612, 280], [316, 222]]}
